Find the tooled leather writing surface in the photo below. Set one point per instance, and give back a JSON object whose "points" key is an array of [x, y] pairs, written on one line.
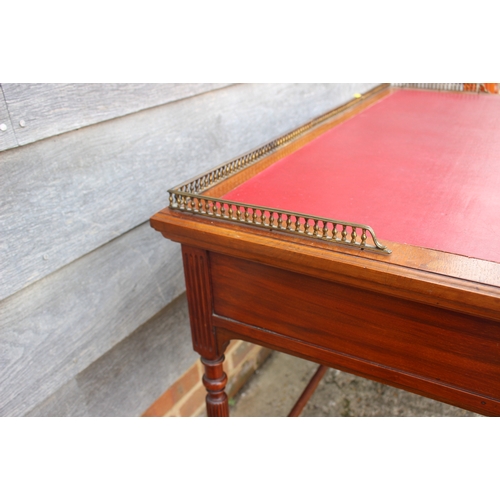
{"points": [[420, 167]]}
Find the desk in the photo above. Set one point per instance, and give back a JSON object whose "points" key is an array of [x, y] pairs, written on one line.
{"points": [[415, 304]]}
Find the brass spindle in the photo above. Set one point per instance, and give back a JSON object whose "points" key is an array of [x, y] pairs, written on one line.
{"points": [[363, 238], [280, 221]]}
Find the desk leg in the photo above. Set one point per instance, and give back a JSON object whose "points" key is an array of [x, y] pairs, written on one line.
{"points": [[215, 381], [200, 303]]}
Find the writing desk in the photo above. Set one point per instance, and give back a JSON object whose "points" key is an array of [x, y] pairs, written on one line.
{"points": [[279, 250]]}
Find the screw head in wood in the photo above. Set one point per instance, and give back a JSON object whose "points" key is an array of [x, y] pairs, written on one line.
{"points": [[3, 127], [22, 123]]}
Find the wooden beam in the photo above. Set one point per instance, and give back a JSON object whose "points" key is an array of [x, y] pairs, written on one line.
{"points": [[7, 136], [56, 328], [41, 110], [132, 375]]}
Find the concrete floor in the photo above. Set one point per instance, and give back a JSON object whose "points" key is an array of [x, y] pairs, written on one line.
{"points": [[274, 388]]}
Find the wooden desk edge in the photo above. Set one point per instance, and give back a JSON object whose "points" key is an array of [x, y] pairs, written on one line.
{"points": [[409, 272]]}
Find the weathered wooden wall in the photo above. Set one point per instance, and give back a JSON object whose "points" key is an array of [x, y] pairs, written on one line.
{"points": [[92, 314], [40, 110]]}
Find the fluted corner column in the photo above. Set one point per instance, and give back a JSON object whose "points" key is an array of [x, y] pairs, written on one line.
{"points": [[200, 302]]}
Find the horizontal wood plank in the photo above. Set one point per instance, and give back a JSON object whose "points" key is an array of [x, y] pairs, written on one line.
{"points": [[41, 110], [56, 328], [7, 136], [132, 375], [66, 196]]}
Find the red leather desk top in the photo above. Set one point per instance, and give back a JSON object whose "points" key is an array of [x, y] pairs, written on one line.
{"points": [[419, 167]]}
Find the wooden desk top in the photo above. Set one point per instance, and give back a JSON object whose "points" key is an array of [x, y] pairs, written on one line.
{"points": [[405, 256], [422, 319]]}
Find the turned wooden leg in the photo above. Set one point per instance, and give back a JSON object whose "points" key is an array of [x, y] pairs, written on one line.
{"points": [[200, 303], [215, 381]]}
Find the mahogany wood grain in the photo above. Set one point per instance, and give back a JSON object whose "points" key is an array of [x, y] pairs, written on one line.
{"points": [[422, 320], [200, 304], [450, 281], [445, 320], [215, 382], [453, 349], [228, 329], [199, 294]]}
